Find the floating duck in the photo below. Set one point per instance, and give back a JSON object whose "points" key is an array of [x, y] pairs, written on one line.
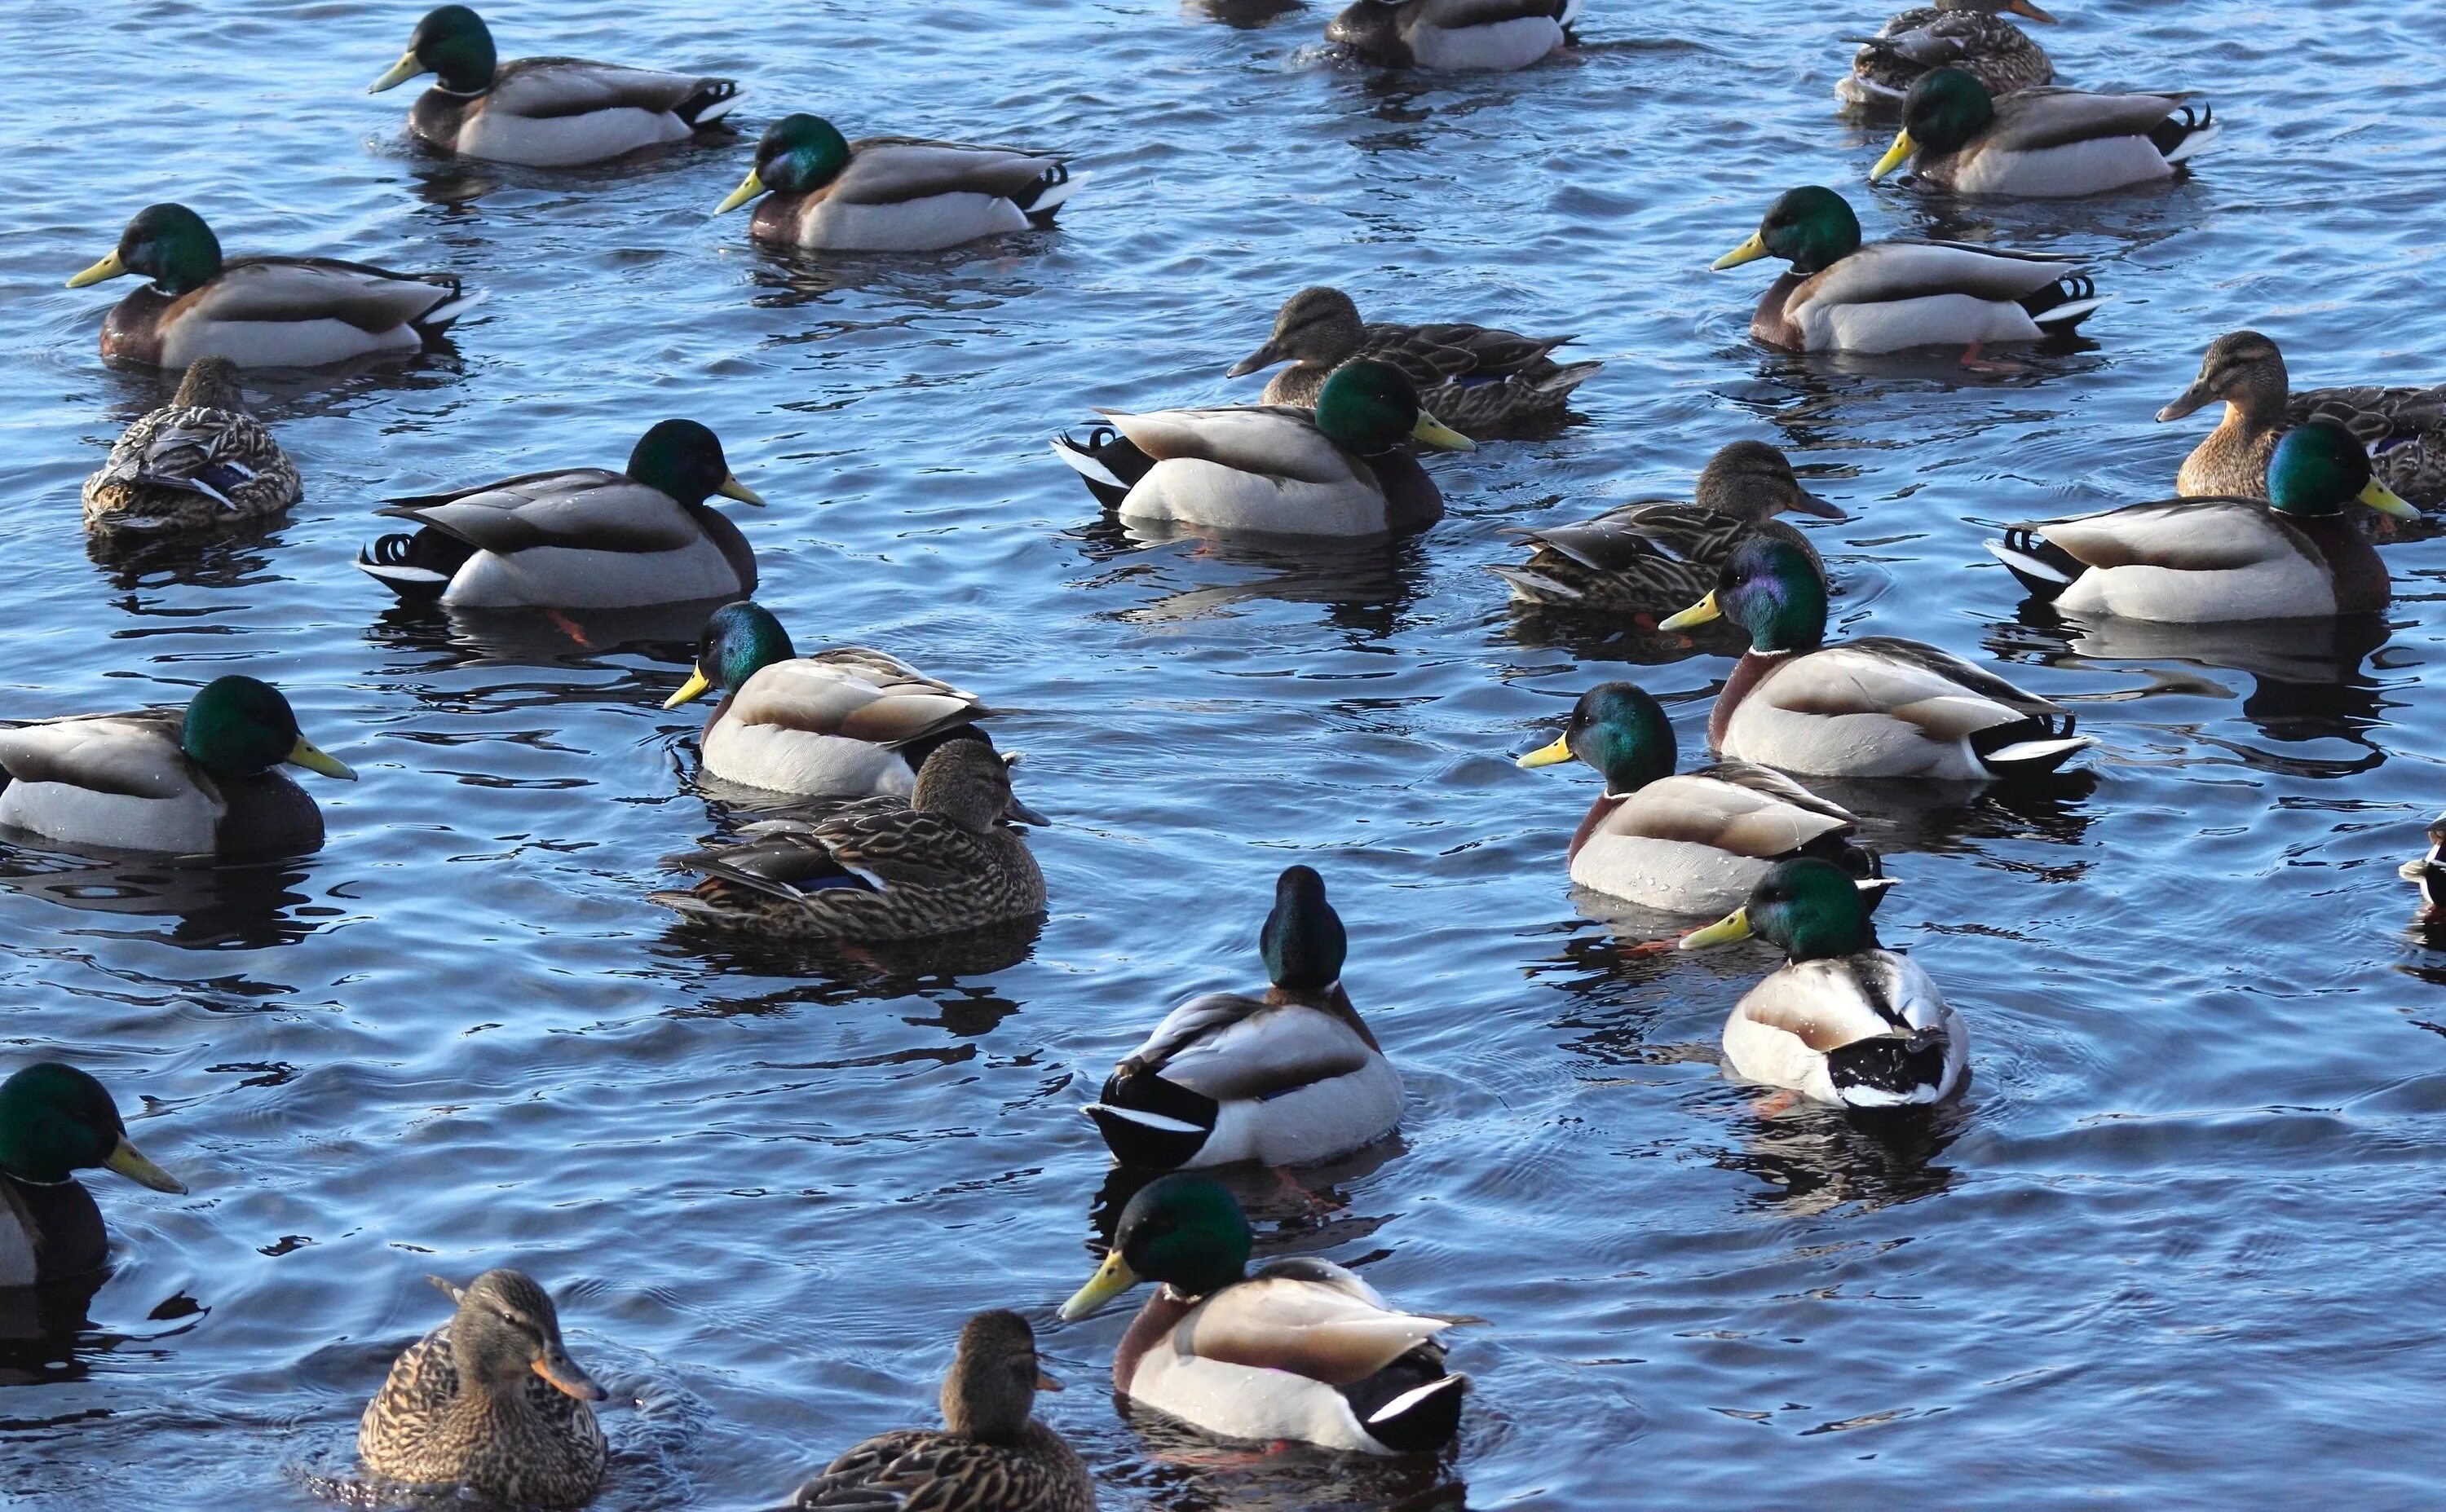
{"points": [[195, 463], [892, 193], [55, 1121], [2404, 428], [1495, 35], [1967, 34], [2040, 143]]}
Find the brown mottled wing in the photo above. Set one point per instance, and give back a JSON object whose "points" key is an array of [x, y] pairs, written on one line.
{"points": [[904, 847], [920, 1471], [288, 288], [585, 507], [134, 755]]}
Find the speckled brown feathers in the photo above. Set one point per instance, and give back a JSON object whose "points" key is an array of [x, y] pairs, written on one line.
{"points": [[2404, 429], [1966, 34], [198, 461]]}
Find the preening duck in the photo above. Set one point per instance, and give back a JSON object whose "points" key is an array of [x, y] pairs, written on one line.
{"points": [[1695, 843], [579, 538], [990, 1455], [1972, 35], [192, 781], [55, 1121], [2403, 429], [1286, 1078], [1274, 469], [1455, 34], [1303, 1350], [1874, 707], [260, 312], [2040, 143], [542, 112], [1487, 384], [2197, 561], [1890, 295], [1842, 1021], [892, 193], [197, 462]]}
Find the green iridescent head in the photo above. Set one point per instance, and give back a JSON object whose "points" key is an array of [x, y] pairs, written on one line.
{"points": [[1771, 587], [1811, 228], [1945, 111], [55, 1121], [1620, 730], [739, 641], [1813, 910], [1183, 1230], [1303, 942], [169, 244], [1371, 407], [238, 727], [798, 154], [683, 460], [452, 44], [2320, 468]]}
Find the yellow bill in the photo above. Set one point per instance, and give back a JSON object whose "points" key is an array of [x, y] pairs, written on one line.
{"points": [[130, 1162], [314, 759], [109, 266], [1732, 926], [733, 488], [1748, 251], [401, 72], [749, 188], [697, 685], [2387, 501], [1897, 154], [1703, 612], [1435, 433], [1550, 756], [1111, 1280], [2023, 8]]}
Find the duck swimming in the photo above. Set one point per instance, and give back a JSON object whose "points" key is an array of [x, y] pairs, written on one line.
{"points": [[892, 193], [1968, 34], [198, 462], [2040, 143], [55, 1121], [1490, 35], [2403, 429]]}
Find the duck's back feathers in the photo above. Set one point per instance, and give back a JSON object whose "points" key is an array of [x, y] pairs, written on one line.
{"points": [[877, 871], [2000, 54], [2196, 561], [188, 466], [1305, 1317], [930, 1470], [905, 193], [286, 312], [895, 170], [1279, 440], [549, 88], [135, 755], [1750, 811], [551, 1452], [1882, 707], [1868, 1031], [1267, 469], [1892, 295], [589, 507], [1646, 559], [2060, 143], [573, 538], [1487, 382]]}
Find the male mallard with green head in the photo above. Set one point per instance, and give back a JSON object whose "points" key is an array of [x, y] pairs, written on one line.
{"points": [[2403, 429], [260, 312], [892, 193], [1972, 35], [55, 1121], [2040, 143], [1492, 35], [542, 112], [197, 462], [489, 1401]]}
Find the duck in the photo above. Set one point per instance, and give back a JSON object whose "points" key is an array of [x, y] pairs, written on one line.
{"points": [[1842, 1022], [542, 112], [2202, 561], [56, 1120], [192, 781], [1888, 296], [1288, 1078], [1302, 1351], [2404, 428], [1972, 35], [1650, 558], [198, 462], [260, 312], [892, 193], [1482, 35], [1339, 470], [1693, 843], [1874, 707], [1486, 383], [941, 864], [2040, 144], [845, 723], [580, 537], [490, 1401], [989, 1453], [2428, 872]]}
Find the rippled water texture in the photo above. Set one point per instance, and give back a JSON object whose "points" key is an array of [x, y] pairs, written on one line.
{"points": [[2175, 1246]]}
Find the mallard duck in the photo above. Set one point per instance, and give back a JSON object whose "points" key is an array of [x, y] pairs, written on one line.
{"points": [[198, 461], [1303, 1350], [1479, 34], [1693, 843], [942, 864], [892, 193], [190, 781], [542, 112], [2197, 561], [989, 1456], [1288, 1078], [55, 1121], [490, 1401], [1890, 295], [1274, 469], [845, 723], [1967, 34], [1874, 707], [1843, 1021], [579, 538], [260, 312], [2040, 143], [2404, 428], [1487, 384], [1652, 557], [2428, 871]]}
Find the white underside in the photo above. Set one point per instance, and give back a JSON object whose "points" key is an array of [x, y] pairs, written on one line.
{"points": [[186, 824], [929, 224], [1843, 745], [2058, 173], [16, 1252], [1313, 1123], [563, 577], [280, 343], [1191, 490], [1678, 876], [1932, 320], [2288, 588], [562, 142], [1777, 1057], [784, 760], [1248, 1402], [1505, 44]]}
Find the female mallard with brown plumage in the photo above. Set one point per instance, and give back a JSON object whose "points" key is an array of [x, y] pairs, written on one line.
{"points": [[990, 1455], [2403, 429], [490, 1401], [1967, 34], [55, 1121], [198, 461], [1485, 383], [892, 193]]}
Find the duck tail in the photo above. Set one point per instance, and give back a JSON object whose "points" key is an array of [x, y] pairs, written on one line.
{"points": [[1151, 1123], [1411, 1407], [1107, 459], [416, 564], [2180, 140], [1566, 377], [1040, 199], [2043, 568], [1888, 1073], [2029, 747], [440, 316], [711, 102], [1530, 586], [2064, 304]]}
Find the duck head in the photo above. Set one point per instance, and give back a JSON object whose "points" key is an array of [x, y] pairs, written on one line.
{"points": [[1620, 730], [2242, 367], [1811, 228], [683, 460], [506, 1330], [738, 641], [969, 783], [240, 727], [2319, 468], [1303, 940], [1755, 481], [1946, 109], [1183, 1231], [1771, 588], [1318, 325], [1813, 910], [452, 44], [55, 1121], [798, 154], [1371, 407], [169, 244], [992, 1386]]}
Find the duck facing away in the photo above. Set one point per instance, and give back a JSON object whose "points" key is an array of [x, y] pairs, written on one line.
{"points": [[542, 112], [1888, 296], [1651, 558], [1693, 843], [944, 863], [990, 1455], [2199, 561], [1971, 35], [1487, 384], [845, 723], [490, 1401], [197, 462], [1843, 1021], [2428, 872], [192, 781], [892, 193], [2040, 143], [1303, 1350], [1874, 707], [1495, 35], [1339, 470], [579, 538], [1286, 1078], [260, 312], [55, 1121], [2404, 428]]}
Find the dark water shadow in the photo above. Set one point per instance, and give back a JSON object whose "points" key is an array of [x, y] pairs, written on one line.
{"points": [[446, 640], [228, 557], [1813, 1158], [1245, 15], [201, 903], [48, 1336], [1368, 588]]}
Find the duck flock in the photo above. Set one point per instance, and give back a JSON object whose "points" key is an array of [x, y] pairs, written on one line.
{"points": [[906, 822]]}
